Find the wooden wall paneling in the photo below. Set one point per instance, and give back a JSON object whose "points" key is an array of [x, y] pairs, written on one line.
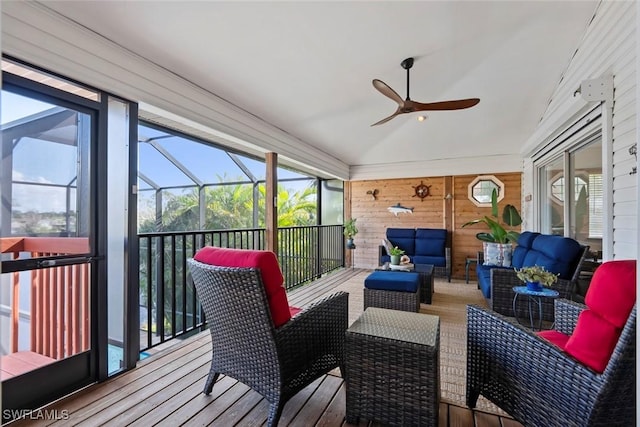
{"points": [[432, 212]]}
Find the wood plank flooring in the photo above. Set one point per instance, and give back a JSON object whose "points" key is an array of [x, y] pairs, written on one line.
{"points": [[166, 390]]}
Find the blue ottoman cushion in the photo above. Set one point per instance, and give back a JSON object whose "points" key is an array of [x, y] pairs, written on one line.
{"points": [[393, 281]]}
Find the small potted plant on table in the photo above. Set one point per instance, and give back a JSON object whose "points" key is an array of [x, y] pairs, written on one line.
{"points": [[395, 253], [535, 277]]}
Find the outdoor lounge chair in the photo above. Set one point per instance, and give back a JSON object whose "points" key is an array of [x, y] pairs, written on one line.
{"points": [[582, 373], [254, 338]]}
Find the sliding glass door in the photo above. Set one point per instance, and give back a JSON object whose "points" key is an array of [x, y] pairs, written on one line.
{"points": [[571, 194], [50, 257]]}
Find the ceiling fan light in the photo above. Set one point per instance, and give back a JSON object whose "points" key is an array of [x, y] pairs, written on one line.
{"points": [[422, 118]]}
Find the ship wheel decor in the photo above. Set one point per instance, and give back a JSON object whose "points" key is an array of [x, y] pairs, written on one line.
{"points": [[422, 191]]}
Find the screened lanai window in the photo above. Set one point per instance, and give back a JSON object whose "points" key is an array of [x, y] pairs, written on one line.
{"points": [[189, 184]]}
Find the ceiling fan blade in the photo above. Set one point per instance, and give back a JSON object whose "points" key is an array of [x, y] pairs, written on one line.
{"points": [[386, 119], [384, 89], [458, 104]]}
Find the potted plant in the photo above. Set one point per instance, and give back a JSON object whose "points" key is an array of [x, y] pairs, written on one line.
{"points": [[350, 230], [497, 243], [395, 253], [535, 277]]}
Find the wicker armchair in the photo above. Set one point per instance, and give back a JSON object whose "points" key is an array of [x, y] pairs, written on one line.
{"points": [[275, 362], [540, 384]]}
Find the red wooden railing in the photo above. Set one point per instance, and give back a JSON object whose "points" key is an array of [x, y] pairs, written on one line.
{"points": [[59, 318]]}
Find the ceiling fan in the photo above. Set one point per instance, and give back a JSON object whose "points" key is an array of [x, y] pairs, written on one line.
{"points": [[409, 106]]}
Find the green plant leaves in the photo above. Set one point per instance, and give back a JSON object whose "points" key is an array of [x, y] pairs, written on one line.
{"points": [[485, 237], [510, 216], [498, 234]]}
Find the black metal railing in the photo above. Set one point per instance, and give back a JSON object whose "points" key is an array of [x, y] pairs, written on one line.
{"points": [[169, 307]]}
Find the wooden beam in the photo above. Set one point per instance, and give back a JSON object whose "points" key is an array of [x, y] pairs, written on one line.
{"points": [[448, 204], [271, 205], [349, 259]]}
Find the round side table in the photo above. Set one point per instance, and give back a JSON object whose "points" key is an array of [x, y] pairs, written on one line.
{"points": [[534, 298]]}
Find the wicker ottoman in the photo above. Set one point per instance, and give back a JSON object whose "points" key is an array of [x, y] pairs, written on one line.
{"points": [[392, 368], [392, 290]]}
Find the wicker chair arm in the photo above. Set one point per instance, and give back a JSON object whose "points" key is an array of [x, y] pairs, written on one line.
{"points": [[583, 256], [381, 252], [566, 315], [502, 282], [530, 365], [319, 329], [447, 255]]}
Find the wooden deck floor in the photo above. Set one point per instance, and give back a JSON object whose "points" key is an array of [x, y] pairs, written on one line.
{"points": [[166, 390]]}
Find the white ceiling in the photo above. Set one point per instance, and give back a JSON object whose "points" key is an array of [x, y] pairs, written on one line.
{"points": [[306, 67]]}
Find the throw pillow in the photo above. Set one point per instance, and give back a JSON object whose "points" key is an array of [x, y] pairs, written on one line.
{"points": [[497, 254], [593, 340], [387, 246], [612, 292]]}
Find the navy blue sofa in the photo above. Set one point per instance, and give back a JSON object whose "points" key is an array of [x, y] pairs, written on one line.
{"points": [[423, 246], [558, 254]]}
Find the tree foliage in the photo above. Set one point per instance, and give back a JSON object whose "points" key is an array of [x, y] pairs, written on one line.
{"points": [[231, 206]]}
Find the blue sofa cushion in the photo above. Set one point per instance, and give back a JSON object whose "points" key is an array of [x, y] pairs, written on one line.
{"points": [[484, 278], [557, 254], [438, 261], [403, 238], [393, 281], [430, 242], [525, 243]]}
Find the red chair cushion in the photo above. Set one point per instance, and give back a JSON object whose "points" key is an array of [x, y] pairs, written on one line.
{"points": [[266, 262], [593, 340], [554, 337], [612, 291]]}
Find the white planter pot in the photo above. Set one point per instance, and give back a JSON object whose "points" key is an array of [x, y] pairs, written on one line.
{"points": [[498, 254]]}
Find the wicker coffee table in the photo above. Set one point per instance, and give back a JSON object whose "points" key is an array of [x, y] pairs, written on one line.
{"points": [[392, 368]]}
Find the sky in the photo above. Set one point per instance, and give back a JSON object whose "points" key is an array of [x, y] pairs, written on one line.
{"points": [[45, 162]]}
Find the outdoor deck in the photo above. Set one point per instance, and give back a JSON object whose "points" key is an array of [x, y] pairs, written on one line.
{"points": [[166, 389]]}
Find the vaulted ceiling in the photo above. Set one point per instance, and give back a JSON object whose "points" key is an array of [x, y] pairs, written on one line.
{"points": [[307, 68]]}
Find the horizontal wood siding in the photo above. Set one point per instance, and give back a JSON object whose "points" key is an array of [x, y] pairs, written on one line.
{"points": [[373, 217], [465, 243], [607, 48]]}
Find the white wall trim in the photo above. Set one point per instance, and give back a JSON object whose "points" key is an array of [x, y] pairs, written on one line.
{"points": [[607, 179], [442, 167], [36, 34]]}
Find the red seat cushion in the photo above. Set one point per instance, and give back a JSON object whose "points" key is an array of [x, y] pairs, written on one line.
{"points": [[554, 337], [266, 262], [593, 340]]}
